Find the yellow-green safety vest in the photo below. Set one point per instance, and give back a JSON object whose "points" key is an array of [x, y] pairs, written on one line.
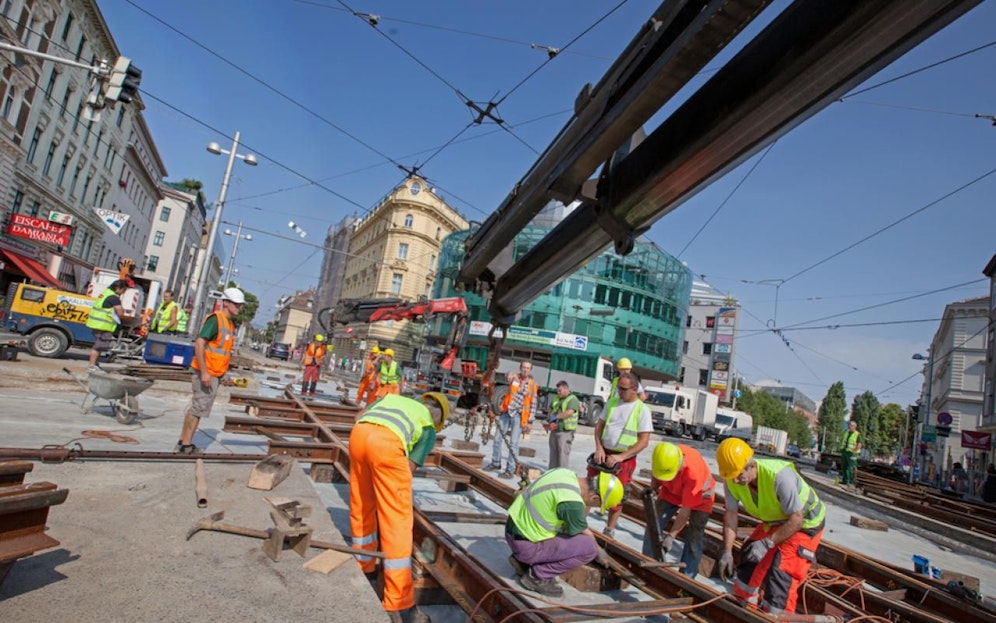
{"points": [[102, 319], [568, 423], [162, 317], [534, 512], [182, 317], [631, 432], [389, 375], [403, 416], [767, 508], [851, 439]]}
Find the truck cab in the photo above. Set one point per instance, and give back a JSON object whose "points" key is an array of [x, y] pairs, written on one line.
{"points": [[732, 423], [682, 411]]}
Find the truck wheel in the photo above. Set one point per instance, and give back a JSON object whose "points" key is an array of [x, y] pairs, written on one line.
{"points": [[701, 436], [594, 413], [48, 342]]}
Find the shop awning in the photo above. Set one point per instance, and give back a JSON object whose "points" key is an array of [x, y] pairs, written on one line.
{"points": [[31, 268]]}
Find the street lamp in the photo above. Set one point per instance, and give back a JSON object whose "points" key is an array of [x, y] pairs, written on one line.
{"points": [[235, 249], [202, 284], [924, 416]]}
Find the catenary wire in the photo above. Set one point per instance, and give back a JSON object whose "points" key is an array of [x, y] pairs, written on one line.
{"points": [[913, 108]]}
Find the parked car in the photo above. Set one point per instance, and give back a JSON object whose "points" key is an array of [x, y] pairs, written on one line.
{"points": [[278, 350], [793, 451]]}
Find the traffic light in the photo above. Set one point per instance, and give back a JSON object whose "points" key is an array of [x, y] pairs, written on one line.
{"points": [[914, 411], [124, 81]]}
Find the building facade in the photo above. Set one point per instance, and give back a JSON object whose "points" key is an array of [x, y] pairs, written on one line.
{"points": [[393, 253], [709, 349], [333, 270], [792, 398], [175, 239], [989, 383], [293, 321]]}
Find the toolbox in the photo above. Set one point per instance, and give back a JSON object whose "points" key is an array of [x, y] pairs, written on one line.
{"points": [[168, 350]]}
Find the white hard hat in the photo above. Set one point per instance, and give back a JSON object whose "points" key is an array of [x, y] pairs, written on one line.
{"points": [[234, 295]]}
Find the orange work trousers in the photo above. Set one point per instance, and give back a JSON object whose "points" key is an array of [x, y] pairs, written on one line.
{"points": [[773, 584], [368, 385], [380, 508], [388, 388]]}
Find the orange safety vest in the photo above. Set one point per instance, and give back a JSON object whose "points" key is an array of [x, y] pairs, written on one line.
{"points": [[218, 352], [693, 487], [527, 402], [313, 353], [370, 364]]}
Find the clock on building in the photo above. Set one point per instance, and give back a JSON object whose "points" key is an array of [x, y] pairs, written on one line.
{"points": [[415, 188]]}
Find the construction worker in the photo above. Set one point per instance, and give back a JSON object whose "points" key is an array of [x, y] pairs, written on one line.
{"points": [[389, 441], [621, 434], [685, 489], [183, 318], [166, 317], [212, 354], [368, 382], [314, 357], [561, 424], [517, 408], [105, 316], [776, 557], [623, 366], [849, 453], [389, 379], [547, 528]]}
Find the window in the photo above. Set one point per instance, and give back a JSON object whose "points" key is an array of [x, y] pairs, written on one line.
{"points": [[35, 209], [8, 102], [62, 171], [76, 178], [153, 262], [703, 376], [396, 283], [403, 251], [684, 348], [707, 348], [18, 199], [79, 48], [158, 239], [688, 321], [100, 137], [120, 116], [164, 214], [64, 106], [51, 84], [33, 146], [409, 221], [681, 375], [438, 231], [86, 188], [67, 26], [48, 157], [710, 322]]}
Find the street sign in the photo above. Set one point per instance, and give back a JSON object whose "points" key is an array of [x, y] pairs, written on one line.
{"points": [[929, 433], [943, 431], [944, 418]]}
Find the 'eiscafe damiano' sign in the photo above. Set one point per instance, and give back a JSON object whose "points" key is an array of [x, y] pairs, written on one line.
{"points": [[39, 229]]}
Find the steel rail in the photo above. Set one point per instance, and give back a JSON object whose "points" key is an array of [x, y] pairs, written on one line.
{"points": [[60, 454]]}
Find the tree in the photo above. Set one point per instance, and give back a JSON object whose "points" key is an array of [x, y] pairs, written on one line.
{"points": [[865, 411], [831, 418], [766, 410], [892, 418]]}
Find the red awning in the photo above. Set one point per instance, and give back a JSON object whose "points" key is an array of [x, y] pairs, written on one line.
{"points": [[31, 268]]}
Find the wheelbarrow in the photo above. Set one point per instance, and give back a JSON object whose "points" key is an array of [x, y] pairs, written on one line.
{"points": [[119, 390]]}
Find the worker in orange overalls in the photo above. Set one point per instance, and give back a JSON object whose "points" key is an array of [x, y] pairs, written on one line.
{"points": [[390, 440], [389, 377], [314, 358], [368, 382]]}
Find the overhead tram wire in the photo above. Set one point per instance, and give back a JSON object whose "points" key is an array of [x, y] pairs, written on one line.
{"points": [[913, 108], [834, 327]]}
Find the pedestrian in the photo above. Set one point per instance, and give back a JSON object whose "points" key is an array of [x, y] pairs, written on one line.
{"points": [[166, 318], [183, 318], [212, 354], [621, 434], [561, 424], [367, 391], [623, 366], [849, 453], [685, 489], [517, 408], [547, 527], [314, 357], [389, 381], [776, 557], [989, 488], [389, 441], [105, 316]]}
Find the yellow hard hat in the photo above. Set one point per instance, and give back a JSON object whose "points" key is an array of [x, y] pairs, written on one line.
{"points": [[375, 350], [666, 461], [611, 490], [624, 364], [733, 455], [444, 406], [319, 338], [388, 352]]}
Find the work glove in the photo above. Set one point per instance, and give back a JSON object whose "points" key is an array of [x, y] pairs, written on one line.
{"points": [[725, 565], [754, 551], [667, 541]]}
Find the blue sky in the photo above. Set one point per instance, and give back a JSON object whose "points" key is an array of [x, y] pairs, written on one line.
{"points": [[849, 171]]}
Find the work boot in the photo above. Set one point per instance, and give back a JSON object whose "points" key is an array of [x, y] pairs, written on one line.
{"points": [[550, 588], [507, 475], [520, 568], [411, 615], [494, 467], [609, 532]]}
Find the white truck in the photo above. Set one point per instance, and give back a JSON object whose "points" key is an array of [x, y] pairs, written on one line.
{"points": [[771, 440], [732, 423], [682, 411]]}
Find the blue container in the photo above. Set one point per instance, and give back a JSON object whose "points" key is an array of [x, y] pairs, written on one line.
{"points": [[168, 350]]}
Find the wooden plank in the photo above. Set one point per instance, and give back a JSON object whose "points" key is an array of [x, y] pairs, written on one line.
{"points": [[869, 524], [270, 472]]}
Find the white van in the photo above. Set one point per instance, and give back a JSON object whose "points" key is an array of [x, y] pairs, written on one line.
{"points": [[730, 423]]}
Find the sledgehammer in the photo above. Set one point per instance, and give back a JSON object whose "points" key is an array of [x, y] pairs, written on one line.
{"points": [[213, 522]]}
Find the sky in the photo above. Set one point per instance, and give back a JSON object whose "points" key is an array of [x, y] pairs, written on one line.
{"points": [[334, 107]]}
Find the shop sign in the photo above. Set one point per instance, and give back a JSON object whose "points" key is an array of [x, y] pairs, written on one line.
{"points": [[975, 439], [38, 229], [60, 217]]}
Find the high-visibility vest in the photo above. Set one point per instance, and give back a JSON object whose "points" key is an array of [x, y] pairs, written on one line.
{"points": [[631, 432], [389, 375], [218, 352], [182, 317], [370, 364], [559, 406], [313, 353], [161, 320], [693, 486], [534, 512], [532, 388], [767, 508], [403, 416], [851, 439], [101, 318]]}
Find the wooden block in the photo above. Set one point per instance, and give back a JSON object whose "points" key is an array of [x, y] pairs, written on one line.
{"points": [[970, 582], [532, 473], [869, 524], [592, 579], [452, 486], [527, 452], [323, 472], [327, 561], [460, 444], [270, 472], [646, 473]]}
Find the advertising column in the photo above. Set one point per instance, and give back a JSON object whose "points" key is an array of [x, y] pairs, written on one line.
{"points": [[721, 361]]}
